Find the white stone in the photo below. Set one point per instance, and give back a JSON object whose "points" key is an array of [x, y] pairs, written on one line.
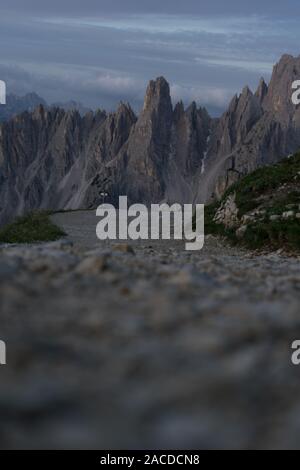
{"points": [[241, 231], [228, 212], [288, 215]]}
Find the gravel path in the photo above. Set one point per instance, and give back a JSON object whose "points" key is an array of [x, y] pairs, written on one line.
{"points": [[147, 345]]}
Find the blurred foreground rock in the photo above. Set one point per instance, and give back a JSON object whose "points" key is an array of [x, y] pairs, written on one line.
{"points": [[163, 349]]}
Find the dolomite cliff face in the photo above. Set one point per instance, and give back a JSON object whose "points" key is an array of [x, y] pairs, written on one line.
{"points": [[258, 129], [48, 158], [163, 154], [54, 159]]}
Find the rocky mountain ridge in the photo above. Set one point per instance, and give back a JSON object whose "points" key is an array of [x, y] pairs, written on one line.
{"points": [[56, 159], [18, 104], [53, 159], [258, 129]]}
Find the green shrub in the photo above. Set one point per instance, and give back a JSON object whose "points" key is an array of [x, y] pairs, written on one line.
{"points": [[277, 234], [34, 227]]}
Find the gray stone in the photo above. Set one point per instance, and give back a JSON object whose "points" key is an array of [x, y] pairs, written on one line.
{"points": [[92, 265], [123, 248], [288, 215], [228, 212], [274, 218], [241, 231]]}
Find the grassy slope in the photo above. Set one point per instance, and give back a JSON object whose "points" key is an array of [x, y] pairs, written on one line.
{"points": [[274, 189], [34, 227]]}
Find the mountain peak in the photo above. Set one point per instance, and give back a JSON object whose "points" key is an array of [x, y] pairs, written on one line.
{"points": [[124, 108], [287, 58], [192, 108], [179, 110], [246, 92], [278, 99], [262, 90], [158, 90]]}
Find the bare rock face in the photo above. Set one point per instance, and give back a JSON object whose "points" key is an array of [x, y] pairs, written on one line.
{"points": [[48, 159], [191, 129], [261, 91], [105, 145], [53, 159], [243, 112], [278, 99], [148, 147], [162, 156], [228, 212], [256, 130]]}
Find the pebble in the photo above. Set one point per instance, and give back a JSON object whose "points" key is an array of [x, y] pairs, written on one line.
{"points": [[123, 248], [92, 265]]}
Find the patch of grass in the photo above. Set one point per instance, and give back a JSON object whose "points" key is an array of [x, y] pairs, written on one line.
{"points": [[280, 205], [276, 234], [210, 225], [34, 227], [262, 234], [265, 179]]}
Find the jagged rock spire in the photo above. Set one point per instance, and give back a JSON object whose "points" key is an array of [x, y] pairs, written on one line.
{"points": [[262, 90]]}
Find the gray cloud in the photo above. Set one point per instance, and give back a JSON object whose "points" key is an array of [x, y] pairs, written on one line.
{"points": [[108, 54], [195, 7]]}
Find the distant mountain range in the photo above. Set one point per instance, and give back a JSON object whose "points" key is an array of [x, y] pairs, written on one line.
{"points": [[18, 104], [52, 158], [72, 106]]}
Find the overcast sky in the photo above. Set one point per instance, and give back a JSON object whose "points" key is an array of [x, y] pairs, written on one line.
{"points": [[102, 51]]}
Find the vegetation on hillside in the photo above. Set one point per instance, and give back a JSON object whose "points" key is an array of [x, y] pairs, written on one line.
{"points": [[268, 208], [34, 227]]}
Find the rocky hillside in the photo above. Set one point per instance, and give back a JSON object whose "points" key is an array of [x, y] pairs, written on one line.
{"points": [[262, 210], [57, 159]]}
